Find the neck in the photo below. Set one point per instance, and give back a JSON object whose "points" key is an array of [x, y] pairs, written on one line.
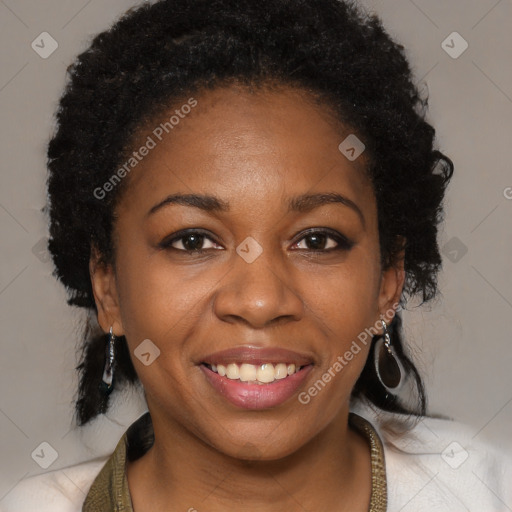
{"points": [[331, 472]]}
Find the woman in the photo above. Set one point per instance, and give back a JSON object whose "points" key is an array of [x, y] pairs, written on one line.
{"points": [[245, 194]]}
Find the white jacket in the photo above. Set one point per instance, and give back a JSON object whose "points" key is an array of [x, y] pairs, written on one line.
{"points": [[438, 466]]}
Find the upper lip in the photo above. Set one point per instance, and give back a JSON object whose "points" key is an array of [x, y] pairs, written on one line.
{"points": [[257, 356]]}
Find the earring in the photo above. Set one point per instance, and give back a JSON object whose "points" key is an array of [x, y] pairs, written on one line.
{"points": [[107, 380], [388, 367]]}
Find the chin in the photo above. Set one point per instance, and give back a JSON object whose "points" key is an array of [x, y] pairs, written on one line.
{"points": [[256, 443]]}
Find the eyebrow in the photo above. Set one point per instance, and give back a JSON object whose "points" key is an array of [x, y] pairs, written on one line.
{"points": [[203, 202], [302, 203], [308, 202]]}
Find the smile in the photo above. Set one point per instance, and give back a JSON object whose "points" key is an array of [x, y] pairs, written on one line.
{"points": [[256, 374], [256, 377]]}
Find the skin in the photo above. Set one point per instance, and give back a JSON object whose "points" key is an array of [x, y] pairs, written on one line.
{"points": [[254, 151]]}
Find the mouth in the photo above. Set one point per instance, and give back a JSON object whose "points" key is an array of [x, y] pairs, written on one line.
{"points": [[256, 377], [261, 374]]}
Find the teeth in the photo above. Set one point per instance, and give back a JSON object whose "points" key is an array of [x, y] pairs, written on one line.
{"points": [[265, 373], [233, 371], [262, 374], [247, 372], [281, 371]]}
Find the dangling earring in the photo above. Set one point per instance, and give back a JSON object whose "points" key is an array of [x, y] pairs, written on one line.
{"points": [[387, 365], [107, 381]]}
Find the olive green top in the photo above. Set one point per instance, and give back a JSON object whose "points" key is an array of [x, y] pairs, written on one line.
{"points": [[110, 492]]}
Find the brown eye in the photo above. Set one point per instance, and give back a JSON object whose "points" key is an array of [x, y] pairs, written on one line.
{"points": [[319, 241], [323, 241], [191, 241]]}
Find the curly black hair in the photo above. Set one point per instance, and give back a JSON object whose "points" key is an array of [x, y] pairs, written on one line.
{"points": [[159, 53]]}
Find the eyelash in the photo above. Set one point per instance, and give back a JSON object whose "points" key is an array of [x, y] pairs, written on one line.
{"points": [[344, 244]]}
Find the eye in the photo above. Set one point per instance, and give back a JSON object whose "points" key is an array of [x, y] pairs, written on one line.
{"points": [[189, 241], [324, 240], [316, 240]]}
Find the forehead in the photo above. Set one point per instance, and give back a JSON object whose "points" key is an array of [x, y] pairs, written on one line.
{"points": [[236, 143]]}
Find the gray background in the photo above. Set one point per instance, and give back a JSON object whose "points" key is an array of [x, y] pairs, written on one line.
{"points": [[462, 342]]}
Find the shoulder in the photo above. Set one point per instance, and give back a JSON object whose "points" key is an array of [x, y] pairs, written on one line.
{"points": [[443, 465], [62, 490]]}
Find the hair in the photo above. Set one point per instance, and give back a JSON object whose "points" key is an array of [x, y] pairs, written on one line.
{"points": [[159, 53]]}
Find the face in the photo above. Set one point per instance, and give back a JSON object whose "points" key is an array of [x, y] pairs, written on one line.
{"points": [[270, 258]]}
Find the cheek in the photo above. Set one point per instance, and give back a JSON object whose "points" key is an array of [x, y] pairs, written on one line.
{"points": [[162, 305], [344, 304], [157, 301], [346, 297]]}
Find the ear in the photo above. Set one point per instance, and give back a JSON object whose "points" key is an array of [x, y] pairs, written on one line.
{"points": [[392, 283], [103, 280]]}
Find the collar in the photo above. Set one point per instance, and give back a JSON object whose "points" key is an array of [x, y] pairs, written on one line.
{"points": [[110, 492]]}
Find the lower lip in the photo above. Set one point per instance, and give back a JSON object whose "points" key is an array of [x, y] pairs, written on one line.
{"points": [[256, 396]]}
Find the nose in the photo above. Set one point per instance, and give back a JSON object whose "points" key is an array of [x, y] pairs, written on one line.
{"points": [[259, 294]]}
